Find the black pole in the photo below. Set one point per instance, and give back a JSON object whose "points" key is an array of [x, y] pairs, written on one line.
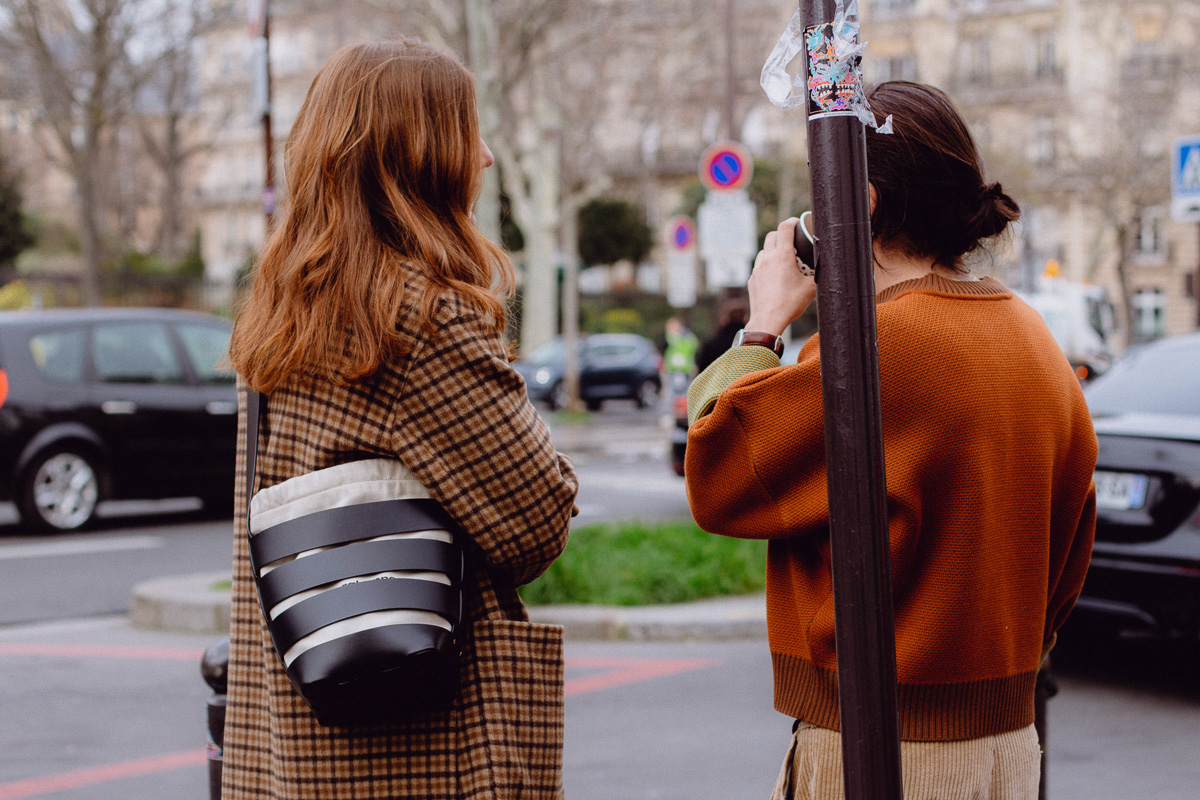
{"points": [[214, 666], [866, 646], [1045, 688]]}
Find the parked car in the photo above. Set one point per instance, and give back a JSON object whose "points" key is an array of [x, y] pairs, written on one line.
{"points": [[611, 366], [100, 404], [1145, 569]]}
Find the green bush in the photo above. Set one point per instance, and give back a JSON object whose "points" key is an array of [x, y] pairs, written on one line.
{"points": [[611, 230], [635, 563]]}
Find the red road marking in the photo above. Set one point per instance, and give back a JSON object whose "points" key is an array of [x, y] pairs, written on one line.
{"points": [[621, 671], [101, 651], [614, 672], [35, 787]]}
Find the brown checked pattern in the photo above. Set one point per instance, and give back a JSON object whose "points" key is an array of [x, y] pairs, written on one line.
{"points": [[454, 412]]}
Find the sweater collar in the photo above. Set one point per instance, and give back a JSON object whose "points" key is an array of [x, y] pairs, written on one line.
{"points": [[984, 287]]}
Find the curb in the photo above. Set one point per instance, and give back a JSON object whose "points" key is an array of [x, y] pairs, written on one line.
{"points": [[721, 619], [182, 604], [190, 604]]}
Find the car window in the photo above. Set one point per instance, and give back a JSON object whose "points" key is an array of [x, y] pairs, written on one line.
{"points": [[1158, 379], [552, 352], [206, 347], [613, 350], [135, 352], [59, 354]]}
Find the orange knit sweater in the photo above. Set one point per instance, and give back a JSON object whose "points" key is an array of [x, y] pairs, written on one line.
{"points": [[989, 453]]}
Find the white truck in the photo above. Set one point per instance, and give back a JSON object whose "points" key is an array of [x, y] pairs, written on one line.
{"points": [[1081, 318]]}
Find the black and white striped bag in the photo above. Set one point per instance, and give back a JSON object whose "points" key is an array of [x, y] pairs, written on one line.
{"points": [[359, 575]]}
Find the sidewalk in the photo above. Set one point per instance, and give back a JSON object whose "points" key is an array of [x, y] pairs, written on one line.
{"points": [[200, 604]]}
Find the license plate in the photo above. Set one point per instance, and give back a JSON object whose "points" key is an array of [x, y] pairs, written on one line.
{"points": [[1120, 491]]}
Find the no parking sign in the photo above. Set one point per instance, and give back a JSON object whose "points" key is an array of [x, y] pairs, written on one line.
{"points": [[726, 167]]}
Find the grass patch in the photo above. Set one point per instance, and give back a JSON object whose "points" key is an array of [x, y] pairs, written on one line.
{"points": [[636, 563]]}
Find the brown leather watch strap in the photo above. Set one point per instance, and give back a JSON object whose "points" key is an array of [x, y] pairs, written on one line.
{"points": [[767, 340]]}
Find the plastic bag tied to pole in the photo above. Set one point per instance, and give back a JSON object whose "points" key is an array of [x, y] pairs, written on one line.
{"points": [[834, 54]]}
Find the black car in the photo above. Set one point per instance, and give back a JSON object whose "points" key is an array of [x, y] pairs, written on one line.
{"points": [[1145, 569], [99, 404], [611, 366]]}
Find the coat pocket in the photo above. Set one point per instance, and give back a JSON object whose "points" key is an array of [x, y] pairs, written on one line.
{"points": [[514, 746]]}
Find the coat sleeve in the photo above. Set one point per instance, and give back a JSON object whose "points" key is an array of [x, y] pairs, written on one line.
{"points": [[466, 428]]}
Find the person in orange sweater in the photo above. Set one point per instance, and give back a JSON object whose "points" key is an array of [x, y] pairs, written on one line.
{"points": [[989, 454]]}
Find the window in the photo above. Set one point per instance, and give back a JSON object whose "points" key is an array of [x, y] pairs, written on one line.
{"points": [[976, 60], [1041, 145], [206, 347], [896, 68], [59, 354], [1149, 313], [1148, 232], [1045, 62], [135, 352]]}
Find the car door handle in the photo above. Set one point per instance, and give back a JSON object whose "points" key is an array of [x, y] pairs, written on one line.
{"points": [[222, 408], [118, 407]]}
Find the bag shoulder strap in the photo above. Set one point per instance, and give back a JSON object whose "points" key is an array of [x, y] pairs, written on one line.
{"points": [[254, 403]]}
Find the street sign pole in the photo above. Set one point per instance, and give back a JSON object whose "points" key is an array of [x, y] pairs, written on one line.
{"points": [[1185, 196], [865, 637], [259, 20]]}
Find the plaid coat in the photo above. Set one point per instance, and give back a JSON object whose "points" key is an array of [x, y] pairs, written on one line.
{"points": [[454, 412]]}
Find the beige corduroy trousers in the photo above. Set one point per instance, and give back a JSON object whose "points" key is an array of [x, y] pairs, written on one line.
{"points": [[1006, 766]]}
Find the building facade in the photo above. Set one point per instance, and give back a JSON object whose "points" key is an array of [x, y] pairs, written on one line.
{"points": [[1075, 105]]}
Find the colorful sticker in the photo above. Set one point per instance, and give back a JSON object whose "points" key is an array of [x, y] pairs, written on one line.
{"points": [[833, 87]]}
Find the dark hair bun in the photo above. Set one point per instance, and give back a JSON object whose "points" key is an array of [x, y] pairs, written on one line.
{"points": [[933, 200], [996, 210]]}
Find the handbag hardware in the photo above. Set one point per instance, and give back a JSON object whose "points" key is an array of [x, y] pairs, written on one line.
{"points": [[363, 602]]}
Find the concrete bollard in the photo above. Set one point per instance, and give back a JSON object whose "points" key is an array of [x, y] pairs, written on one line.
{"points": [[214, 666]]}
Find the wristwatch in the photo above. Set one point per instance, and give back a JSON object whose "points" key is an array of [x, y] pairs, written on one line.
{"points": [[767, 340]]}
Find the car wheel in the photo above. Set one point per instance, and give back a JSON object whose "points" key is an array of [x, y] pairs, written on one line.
{"points": [[557, 399], [647, 394], [61, 491]]}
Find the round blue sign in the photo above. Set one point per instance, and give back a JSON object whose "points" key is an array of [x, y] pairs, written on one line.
{"points": [[726, 168]]}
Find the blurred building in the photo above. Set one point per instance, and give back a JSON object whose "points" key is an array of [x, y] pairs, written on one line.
{"points": [[1075, 106]]}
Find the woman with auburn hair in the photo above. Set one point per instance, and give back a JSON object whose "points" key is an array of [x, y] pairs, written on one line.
{"points": [[989, 452], [375, 329]]}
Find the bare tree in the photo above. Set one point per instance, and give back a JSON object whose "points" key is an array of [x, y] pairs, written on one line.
{"points": [[75, 56], [168, 119]]}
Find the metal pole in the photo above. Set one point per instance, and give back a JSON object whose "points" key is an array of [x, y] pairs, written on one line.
{"points": [[865, 638], [268, 198], [730, 74], [1043, 691]]}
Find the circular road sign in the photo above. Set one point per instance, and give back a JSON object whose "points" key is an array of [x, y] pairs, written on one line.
{"points": [[683, 233], [726, 167]]}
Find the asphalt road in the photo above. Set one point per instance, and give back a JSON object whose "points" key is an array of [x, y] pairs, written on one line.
{"points": [[94, 710], [623, 474]]}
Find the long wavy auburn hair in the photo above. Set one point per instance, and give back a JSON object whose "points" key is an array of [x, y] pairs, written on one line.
{"points": [[383, 166]]}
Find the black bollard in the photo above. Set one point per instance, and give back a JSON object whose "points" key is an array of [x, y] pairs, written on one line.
{"points": [[214, 666]]}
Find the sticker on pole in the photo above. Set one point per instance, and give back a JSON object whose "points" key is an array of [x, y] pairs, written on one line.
{"points": [[726, 167], [833, 83]]}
